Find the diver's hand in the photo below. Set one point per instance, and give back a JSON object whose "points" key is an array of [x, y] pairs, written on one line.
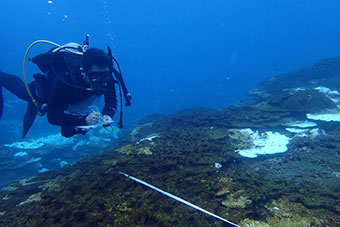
{"points": [[92, 118], [107, 120]]}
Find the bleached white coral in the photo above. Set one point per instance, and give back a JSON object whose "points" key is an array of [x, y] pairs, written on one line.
{"points": [[54, 139], [264, 143], [334, 116], [20, 154], [26, 145]]}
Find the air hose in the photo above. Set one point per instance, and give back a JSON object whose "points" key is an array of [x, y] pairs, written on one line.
{"points": [[24, 69]]}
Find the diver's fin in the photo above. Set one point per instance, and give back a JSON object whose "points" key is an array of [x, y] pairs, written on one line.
{"points": [[1, 102], [29, 117]]}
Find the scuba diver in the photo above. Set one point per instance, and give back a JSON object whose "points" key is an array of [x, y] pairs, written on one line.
{"points": [[73, 78]]}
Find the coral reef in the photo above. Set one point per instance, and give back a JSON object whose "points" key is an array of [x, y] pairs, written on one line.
{"points": [[322, 73], [192, 155], [236, 200], [285, 214]]}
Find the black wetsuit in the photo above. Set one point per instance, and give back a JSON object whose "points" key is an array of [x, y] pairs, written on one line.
{"points": [[63, 94], [65, 88]]}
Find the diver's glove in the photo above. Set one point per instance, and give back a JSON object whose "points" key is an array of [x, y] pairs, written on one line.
{"points": [[106, 120], [93, 118]]}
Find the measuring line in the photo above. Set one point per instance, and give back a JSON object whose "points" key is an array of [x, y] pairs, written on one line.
{"points": [[178, 199]]}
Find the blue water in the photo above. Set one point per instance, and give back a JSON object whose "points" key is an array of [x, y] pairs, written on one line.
{"points": [[177, 54]]}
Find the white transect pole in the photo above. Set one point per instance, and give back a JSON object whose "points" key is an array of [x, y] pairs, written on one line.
{"points": [[179, 199]]}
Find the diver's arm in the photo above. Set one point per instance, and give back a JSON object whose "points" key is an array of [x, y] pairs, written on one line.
{"points": [[110, 99], [58, 102]]}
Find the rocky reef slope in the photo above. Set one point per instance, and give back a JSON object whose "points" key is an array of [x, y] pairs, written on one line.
{"points": [[272, 163]]}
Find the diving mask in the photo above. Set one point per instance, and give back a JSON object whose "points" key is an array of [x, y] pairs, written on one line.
{"points": [[99, 77], [97, 81]]}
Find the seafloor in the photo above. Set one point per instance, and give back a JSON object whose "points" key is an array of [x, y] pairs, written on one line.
{"points": [[192, 154]]}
